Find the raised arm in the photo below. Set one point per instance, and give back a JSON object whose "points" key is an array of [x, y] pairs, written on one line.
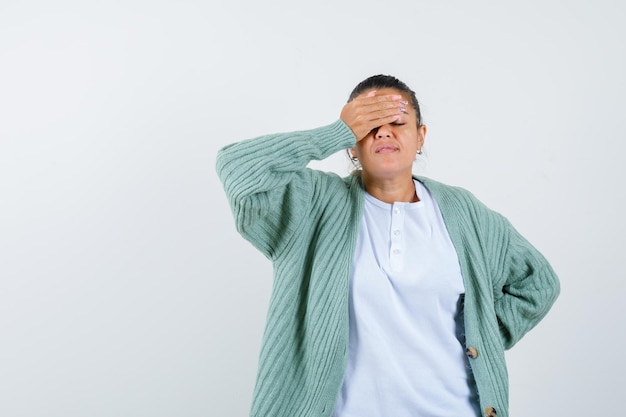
{"points": [[267, 183], [266, 180]]}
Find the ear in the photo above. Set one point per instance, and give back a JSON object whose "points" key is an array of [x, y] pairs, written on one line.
{"points": [[421, 136]]}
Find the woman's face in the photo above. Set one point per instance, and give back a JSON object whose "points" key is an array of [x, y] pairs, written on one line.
{"points": [[388, 152]]}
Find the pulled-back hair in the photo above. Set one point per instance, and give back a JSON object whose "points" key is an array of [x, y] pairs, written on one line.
{"points": [[377, 82]]}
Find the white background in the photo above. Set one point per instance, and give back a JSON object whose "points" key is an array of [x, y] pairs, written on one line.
{"points": [[124, 288]]}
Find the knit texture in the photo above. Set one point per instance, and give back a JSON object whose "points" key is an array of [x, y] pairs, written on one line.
{"points": [[305, 221]]}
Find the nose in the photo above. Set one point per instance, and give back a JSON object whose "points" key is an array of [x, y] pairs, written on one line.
{"points": [[383, 132]]}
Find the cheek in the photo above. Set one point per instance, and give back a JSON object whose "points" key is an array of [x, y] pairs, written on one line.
{"points": [[360, 146]]}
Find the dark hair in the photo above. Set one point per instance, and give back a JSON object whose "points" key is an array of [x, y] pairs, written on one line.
{"points": [[377, 82]]}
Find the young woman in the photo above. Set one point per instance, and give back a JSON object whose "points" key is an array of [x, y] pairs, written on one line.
{"points": [[394, 295]]}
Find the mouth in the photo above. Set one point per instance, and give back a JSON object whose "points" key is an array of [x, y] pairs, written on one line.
{"points": [[385, 149]]}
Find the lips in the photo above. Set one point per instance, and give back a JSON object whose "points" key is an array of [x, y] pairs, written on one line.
{"points": [[386, 148]]}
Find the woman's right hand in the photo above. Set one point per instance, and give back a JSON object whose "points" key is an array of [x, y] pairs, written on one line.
{"points": [[369, 111]]}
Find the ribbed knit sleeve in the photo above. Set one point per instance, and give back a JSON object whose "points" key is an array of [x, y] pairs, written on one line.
{"points": [[267, 185], [526, 286]]}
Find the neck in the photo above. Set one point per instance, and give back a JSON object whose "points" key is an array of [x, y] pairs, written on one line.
{"points": [[391, 190]]}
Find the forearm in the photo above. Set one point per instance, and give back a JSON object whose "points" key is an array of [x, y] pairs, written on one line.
{"points": [[528, 293], [261, 164]]}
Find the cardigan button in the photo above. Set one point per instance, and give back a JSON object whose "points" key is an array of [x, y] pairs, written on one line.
{"points": [[471, 352], [490, 412]]}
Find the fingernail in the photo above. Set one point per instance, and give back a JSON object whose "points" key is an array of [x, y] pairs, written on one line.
{"points": [[404, 102], [403, 110]]}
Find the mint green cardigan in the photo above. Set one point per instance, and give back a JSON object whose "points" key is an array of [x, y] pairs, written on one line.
{"points": [[305, 221]]}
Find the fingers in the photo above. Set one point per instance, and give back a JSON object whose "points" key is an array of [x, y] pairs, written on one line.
{"points": [[371, 102], [369, 111]]}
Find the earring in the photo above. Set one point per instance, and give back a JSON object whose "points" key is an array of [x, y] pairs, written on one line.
{"points": [[419, 151]]}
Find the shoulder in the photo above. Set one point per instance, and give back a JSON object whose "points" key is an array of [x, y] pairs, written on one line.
{"points": [[446, 194], [458, 204]]}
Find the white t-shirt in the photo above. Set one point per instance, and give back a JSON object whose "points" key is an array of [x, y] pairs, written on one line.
{"points": [[407, 355]]}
